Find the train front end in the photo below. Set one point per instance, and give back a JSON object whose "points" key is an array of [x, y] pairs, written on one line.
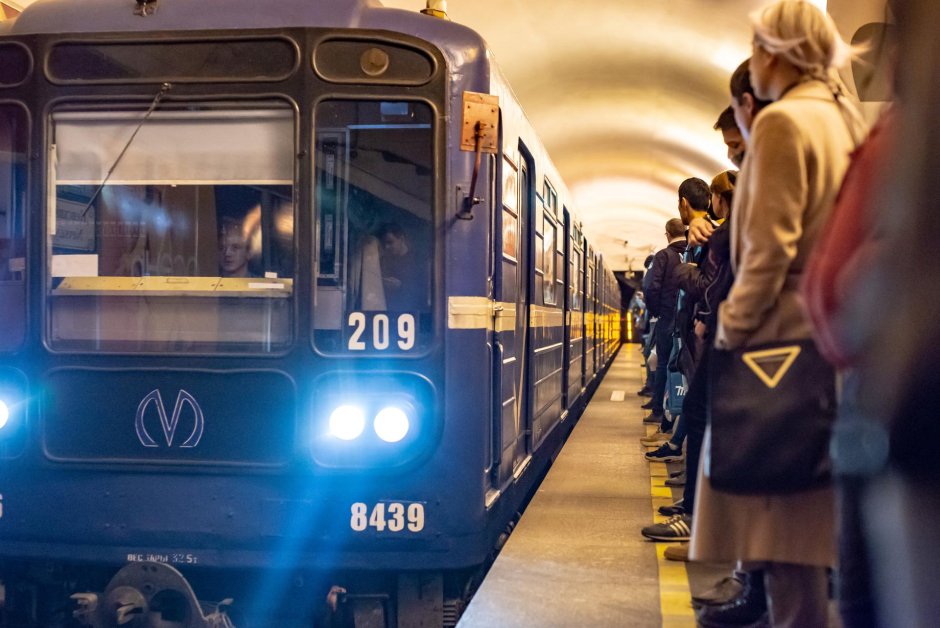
{"points": [[222, 280]]}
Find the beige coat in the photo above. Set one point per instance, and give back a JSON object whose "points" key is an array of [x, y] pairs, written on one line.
{"points": [[796, 159]]}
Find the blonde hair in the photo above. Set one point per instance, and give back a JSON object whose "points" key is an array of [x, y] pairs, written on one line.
{"points": [[805, 36]]}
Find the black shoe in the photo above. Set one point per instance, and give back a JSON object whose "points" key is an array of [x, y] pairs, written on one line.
{"points": [[675, 509], [645, 392], [648, 405], [652, 417], [675, 528], [748, 608]]}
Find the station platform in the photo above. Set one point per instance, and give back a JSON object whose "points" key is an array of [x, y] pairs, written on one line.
{"points": [[577, 557]]}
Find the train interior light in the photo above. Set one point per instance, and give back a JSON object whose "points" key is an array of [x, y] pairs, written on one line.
{"points": [[4, 414]]}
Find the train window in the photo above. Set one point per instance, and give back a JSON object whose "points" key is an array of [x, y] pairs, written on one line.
{"points": [[510, 211], [369, 61], [13, 134], [510, 233], [15, 64], [247, 59], [172, 232], [548, 254], [549, 198], [374, 205], [576, 280]]}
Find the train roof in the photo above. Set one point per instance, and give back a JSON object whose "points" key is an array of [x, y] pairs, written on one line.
{"points": [[100, 16], [459, 44]]}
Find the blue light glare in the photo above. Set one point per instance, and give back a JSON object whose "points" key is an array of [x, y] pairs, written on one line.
{"points": [[4, 414], [392, 424], [347, 422]]}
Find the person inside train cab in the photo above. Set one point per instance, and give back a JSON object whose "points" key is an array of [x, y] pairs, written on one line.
{"points": [[234, 249], [402, 278], [798, 152]]}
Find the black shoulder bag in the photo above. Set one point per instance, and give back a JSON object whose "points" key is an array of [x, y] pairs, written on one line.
{"points": [[771, 409]]}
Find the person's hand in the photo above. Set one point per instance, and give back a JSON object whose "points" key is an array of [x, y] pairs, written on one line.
{"points": [[700, 230], [392, 282], [700, 330]]}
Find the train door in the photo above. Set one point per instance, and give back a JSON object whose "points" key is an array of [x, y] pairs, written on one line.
{"points": [[511, 289]]}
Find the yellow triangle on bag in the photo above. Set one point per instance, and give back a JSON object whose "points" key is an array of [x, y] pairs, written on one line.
{"points": [[770, 365]]}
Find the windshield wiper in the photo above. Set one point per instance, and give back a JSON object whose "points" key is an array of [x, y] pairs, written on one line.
{"points": [[156, 101]]}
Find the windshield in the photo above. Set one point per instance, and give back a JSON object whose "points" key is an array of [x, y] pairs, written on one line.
{"points": [[188, 245], [374, 198], [13, 134]]}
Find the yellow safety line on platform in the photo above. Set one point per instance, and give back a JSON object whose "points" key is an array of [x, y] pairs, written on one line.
{"points": [[675, 599]]}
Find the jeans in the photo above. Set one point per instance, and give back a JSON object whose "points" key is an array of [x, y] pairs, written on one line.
{"points": [[663, 349], [694, 418]]}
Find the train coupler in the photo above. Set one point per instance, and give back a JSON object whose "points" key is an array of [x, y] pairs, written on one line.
{"points": [[143, 593]]}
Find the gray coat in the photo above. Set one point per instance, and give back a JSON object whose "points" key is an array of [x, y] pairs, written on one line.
{"points": [[798, 154]]}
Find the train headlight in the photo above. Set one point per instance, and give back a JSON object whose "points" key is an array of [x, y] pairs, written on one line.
{"points": [[392, 424], [347, 422], [372, 420], [4, 414]]}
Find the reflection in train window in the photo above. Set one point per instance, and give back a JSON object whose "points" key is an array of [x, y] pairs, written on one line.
{"points": [[13, 134], [172, 232], [548, 256], [374, 202]]}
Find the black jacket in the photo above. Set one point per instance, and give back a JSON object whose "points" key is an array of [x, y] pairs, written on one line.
{"points": [[664, 285], [709, 282]]}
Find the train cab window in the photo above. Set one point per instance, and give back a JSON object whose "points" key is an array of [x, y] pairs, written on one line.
{"points": [[375, 241], [13, 137], [172, 232]]}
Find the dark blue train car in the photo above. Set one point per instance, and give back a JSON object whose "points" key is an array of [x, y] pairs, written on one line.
{"points": [[294, 304]]}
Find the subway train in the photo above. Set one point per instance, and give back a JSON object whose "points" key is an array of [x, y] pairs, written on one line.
{"points": [[296, 312]]}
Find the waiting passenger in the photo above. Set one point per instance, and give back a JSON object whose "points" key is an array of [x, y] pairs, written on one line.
{"points": [[731, 135], [661, 300], [707, 285], [694, 203], [842, 265], [797, 154], [898, 389], [740, 597]]}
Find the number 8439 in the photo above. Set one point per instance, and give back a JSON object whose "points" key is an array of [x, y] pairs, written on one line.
{"points": [[391, 516]]}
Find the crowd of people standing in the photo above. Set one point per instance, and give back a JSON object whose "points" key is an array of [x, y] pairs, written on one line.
{"points": [[789, 248]]}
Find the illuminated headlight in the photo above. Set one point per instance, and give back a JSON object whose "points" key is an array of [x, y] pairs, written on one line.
{"points": [[392, 424], [347, 422], [4, 414]]}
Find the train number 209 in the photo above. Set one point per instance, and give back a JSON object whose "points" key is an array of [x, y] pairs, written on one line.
{"points": [[381, 332], [391, 516]]}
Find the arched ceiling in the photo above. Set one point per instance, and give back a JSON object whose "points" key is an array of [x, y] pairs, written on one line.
{"points": [[624, 94]]}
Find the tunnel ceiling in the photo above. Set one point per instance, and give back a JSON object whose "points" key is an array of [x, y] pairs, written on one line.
{"points": [[624, 94]]}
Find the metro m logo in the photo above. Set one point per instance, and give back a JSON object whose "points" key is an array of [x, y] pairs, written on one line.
{"points": [[170, 424]]}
